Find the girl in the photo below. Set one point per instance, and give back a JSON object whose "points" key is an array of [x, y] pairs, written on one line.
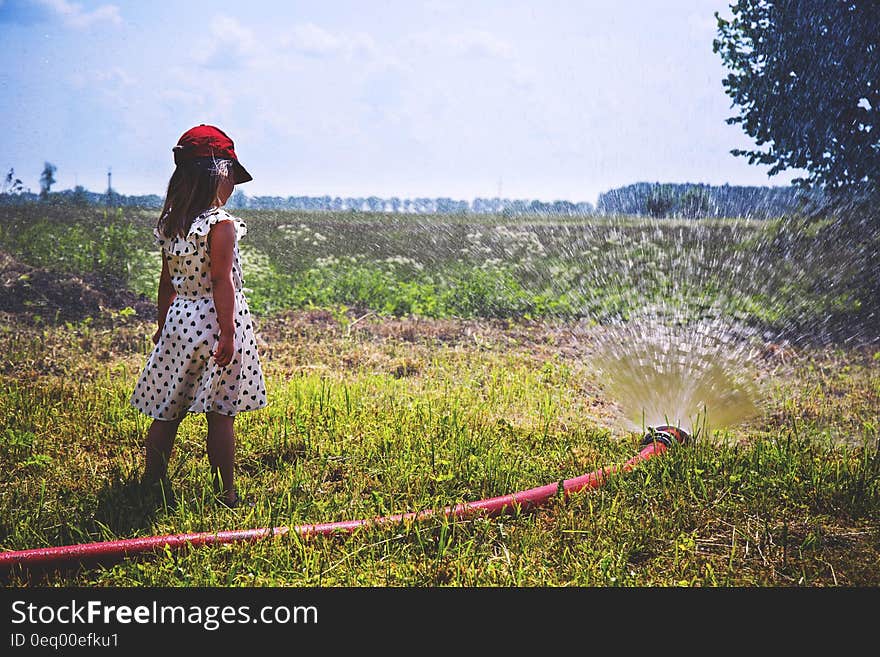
{"points": [[205, 356]]}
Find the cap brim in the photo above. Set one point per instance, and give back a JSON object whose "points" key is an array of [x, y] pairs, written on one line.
{"points": [[240, 173]]}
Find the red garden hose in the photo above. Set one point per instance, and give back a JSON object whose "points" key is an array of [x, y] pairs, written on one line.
{"points": [[656, 442]]}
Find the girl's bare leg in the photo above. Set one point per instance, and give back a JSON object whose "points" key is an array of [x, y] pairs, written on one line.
{"points": [[159, 441], [221, 455]]}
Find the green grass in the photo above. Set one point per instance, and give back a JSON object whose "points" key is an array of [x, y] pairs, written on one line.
{"points": [[387, 417], [413, 363]]}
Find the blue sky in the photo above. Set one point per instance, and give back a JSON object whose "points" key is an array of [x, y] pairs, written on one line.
{"points": [[539, 100]]}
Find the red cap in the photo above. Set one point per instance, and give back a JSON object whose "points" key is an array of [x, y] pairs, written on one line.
{"points": [[207, 141]]}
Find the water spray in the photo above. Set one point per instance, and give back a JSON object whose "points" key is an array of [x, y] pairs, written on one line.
{"points": [[654, 443]]}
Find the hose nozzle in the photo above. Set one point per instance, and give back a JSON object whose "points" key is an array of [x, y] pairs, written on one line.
{"points": [[666, 434]]}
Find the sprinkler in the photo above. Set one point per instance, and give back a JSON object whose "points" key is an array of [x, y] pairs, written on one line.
{"points": [[666, 434], [655, 442]]}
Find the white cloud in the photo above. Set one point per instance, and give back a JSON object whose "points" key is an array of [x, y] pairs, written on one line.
{"points": [[228, 43], [467, 43], [310, 39], [439, 6], [116, 76], [74, 15], [481, 44], [230, 32], [111, 81]]}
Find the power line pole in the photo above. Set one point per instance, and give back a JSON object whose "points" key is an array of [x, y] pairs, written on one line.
{"points": [[109, 188]]}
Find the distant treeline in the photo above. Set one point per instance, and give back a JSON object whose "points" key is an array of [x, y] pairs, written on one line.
{"points": [[648, 199], [690, 200]]}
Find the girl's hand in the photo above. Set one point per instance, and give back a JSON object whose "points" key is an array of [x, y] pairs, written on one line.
{"points": [[224, 350]]}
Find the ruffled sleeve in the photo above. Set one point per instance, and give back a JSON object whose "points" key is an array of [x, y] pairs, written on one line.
{"points": [[202, 224], [200, 227]]}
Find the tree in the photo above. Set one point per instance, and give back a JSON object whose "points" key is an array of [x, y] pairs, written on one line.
{"points": [[79, 195], [238, 200], [11, 184], [806, 79], [47, 179], [695, 202], [659, 201]]}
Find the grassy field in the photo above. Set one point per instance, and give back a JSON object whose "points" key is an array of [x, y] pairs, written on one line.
{"points": [[377, 409], [784, 275]]}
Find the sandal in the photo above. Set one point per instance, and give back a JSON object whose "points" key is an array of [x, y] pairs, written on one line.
{"points": [[159, 492], [235, 502]]}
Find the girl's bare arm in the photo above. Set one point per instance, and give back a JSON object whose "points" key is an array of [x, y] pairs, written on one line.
{"points": [[164, 298], [221, 241]]}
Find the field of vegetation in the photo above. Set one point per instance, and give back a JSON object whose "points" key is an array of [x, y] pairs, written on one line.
{"points": [[413, 363]]}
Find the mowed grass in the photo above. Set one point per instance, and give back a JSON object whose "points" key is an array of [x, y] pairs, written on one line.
{"points": [[371, 416]]}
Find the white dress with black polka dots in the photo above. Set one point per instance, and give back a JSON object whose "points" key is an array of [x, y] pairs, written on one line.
{"points": [[181, 375]]}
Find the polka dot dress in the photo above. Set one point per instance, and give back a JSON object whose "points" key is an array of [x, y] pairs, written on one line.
{"points": [[181, 375]]}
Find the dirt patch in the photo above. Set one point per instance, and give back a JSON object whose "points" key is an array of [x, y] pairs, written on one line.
{"points": [[567, 339], [35, 294]]}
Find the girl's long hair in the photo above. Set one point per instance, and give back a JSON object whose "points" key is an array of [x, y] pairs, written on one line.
{"points": [[192, 189]]}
